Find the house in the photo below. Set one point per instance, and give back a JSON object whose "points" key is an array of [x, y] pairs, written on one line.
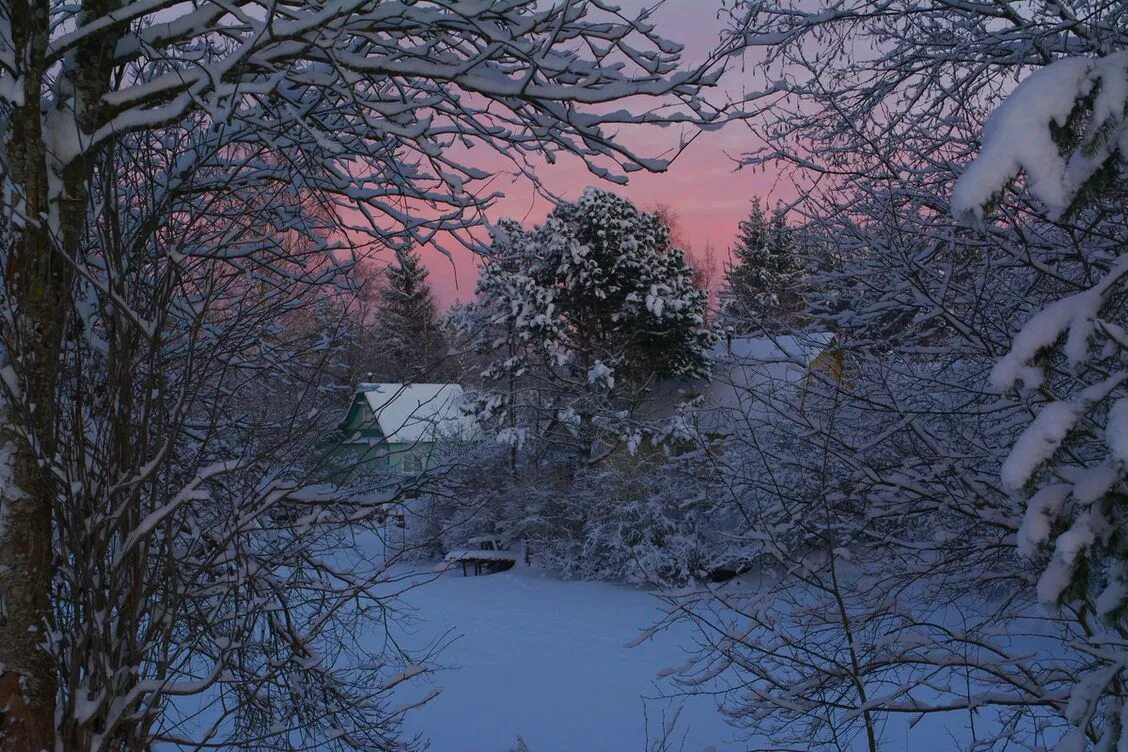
{"points": [[398, 427], [748, 374]]}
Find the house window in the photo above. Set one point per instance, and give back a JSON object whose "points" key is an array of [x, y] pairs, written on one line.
{"points": [[413, 464]]}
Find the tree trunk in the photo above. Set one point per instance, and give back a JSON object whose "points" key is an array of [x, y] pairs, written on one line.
{"points": [[27, 671], [27, 679], [37, 284], [32, 280]]}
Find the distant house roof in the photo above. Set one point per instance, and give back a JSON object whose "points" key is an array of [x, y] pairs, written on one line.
{"points": [[792, 347], [744, 370], [749, 370], [749, 362], [415, 413]]}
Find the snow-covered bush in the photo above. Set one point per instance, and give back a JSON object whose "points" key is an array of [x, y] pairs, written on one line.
{"points": [[641, 521], [646, 524]]}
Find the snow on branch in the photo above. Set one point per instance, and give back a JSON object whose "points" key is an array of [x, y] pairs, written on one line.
{"points": [[1060, 126], [395, 65]]}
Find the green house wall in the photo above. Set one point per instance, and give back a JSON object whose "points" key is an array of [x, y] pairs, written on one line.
{"points": [[358, 448]]}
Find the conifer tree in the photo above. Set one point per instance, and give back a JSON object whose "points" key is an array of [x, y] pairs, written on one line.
{"points": [[764, 278], [410, 344], [582, 315]]}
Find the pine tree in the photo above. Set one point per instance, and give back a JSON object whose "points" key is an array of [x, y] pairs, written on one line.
{"points": [[763, 281], [623, 289], [582, 314], [601, 283], [410, 344]]}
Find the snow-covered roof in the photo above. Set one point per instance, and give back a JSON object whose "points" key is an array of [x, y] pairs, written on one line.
{"points": [[749, 370], [792, 348], [744, 370], [412, 413], [761, 363]]}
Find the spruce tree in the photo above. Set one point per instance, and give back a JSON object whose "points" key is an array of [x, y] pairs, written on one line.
{"points": [[763, 281], [410, 344]]}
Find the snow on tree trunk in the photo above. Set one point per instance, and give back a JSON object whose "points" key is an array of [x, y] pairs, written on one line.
{"points": [[44, 217]]}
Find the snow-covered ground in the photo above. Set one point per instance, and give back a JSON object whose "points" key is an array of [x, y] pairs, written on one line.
{"points": [[558, 663], [548, 660]]}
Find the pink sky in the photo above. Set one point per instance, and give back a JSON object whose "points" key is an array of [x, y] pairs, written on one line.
{"points": [[703, 188]]}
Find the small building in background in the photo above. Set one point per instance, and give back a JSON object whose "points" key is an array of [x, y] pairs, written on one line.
{"points": [[398, 428], [748, 375], [752, 373]]}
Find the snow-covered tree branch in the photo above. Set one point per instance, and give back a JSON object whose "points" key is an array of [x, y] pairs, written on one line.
{"points": [[180, 181]]}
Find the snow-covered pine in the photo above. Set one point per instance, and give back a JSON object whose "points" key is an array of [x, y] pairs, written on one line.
{"points": [[763, 278], [580, 316], [1065, 128]]}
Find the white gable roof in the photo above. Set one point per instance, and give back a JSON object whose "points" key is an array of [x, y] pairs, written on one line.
{"points": [[758, 363], [411, 413], [744, 370]]}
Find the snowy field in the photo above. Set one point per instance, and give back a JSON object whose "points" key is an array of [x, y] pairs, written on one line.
{"points": [[548, 660], [560, 664]]}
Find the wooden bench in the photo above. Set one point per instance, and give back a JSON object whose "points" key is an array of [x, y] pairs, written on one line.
{"points": [[489, 557]]}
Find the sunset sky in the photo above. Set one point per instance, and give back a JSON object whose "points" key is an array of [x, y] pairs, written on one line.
{"points": [[703, 188]]}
